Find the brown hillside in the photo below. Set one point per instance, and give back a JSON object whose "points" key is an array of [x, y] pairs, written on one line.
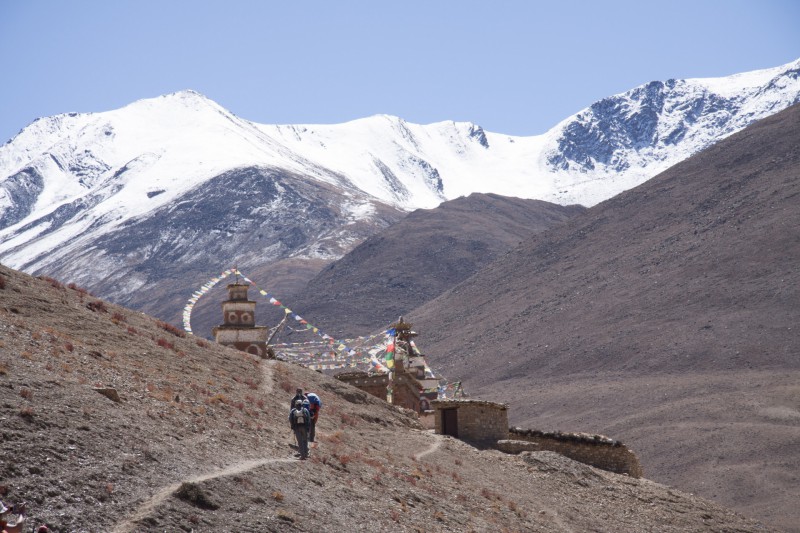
{"points": [[666, 316], [199, 442], [420, 257]]}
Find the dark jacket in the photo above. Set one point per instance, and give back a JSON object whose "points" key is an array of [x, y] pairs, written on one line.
{"points": [[301, 397]]}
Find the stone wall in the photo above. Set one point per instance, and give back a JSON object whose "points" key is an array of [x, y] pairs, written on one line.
{"points": [[595, 450], [371, 384], [405, 391], [236, 313], [252, 340], [231, 335]]}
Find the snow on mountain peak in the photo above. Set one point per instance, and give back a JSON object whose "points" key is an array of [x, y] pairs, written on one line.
{"points": [[187, 99], [736, 84], [109, 167], [623, 140]]}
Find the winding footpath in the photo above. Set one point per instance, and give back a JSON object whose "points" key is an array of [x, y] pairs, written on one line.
{"points": [[158, 498], [145, 508], [433, 447]]}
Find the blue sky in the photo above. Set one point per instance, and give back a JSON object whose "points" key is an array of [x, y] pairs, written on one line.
{"points": [[515, 67]]}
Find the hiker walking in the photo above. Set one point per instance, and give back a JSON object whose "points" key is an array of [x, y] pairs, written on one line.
{"points": [[314, 406], [300, 421], [298, 396]]}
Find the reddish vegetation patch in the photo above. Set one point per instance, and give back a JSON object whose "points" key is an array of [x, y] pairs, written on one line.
{"points": [[97, 306]]}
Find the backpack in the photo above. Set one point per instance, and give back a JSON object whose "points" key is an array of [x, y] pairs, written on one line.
{"points": [[314, 403], [298, 417], [313, 399]]}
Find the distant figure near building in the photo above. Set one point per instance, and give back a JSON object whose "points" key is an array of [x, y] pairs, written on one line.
{"points": [[239, 329]]}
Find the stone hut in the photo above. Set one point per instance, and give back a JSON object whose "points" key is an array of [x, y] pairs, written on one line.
{"points": [[478, 422], [239, 329]]}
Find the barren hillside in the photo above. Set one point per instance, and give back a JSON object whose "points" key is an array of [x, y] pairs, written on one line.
{"points": [[666, 316], [419, 257], [199, 442]]}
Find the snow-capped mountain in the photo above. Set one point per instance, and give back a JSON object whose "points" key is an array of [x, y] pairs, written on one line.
{"points": [[622, 141], [100, 196]]}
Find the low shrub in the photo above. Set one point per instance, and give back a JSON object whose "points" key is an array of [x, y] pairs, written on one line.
{"points": [[164, 343], [54, 282], [218, 398], [169, 328], [98, 306], [77, 289]]}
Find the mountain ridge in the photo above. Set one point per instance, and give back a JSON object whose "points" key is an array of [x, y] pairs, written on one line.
{"points": [[72, 181], [419, 257], [664, 315]]}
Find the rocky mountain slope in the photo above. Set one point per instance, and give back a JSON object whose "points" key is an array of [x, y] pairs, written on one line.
{"points": [[420, 257], [199, 442], [101, 198], [272, 225], [665, 315]]}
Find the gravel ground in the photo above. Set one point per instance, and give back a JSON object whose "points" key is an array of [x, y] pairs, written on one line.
{"points": [[199, 441]]}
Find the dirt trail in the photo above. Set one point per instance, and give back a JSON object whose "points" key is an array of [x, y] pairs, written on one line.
{"points": [[237, 468], [148, 506], [268, 366], [433, 447], [156, 499]]}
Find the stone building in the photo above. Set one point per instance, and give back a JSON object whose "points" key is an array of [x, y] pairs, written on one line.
{"points": [[239, 329], [478, 422], [418, 368], [406, 384], [400, 388], [485, 425]]}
